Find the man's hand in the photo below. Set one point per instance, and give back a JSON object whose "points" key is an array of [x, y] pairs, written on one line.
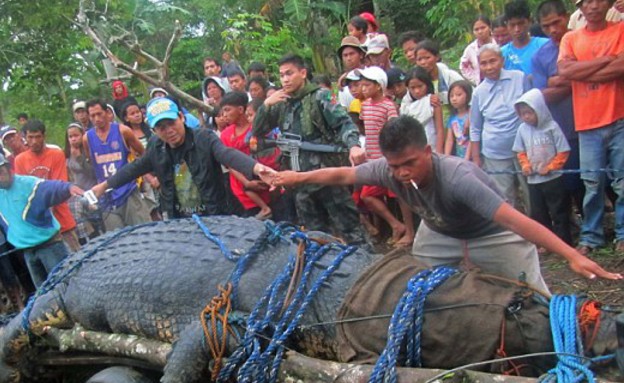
{"points": [[100, 189], [357, 156], [265, 173], [75, 190], [590, 269], [286, 178], [277, 97]]}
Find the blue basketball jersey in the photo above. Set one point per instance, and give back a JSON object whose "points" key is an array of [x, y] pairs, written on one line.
{"points": [[107, 157]]}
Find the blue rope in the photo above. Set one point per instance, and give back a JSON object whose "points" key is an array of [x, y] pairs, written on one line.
{"points": [[560, 171], [55, 277], [255, 364], [407, 319], [566, 339], [216, 240]]}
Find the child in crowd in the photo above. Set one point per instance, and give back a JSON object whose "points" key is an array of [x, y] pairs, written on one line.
{"points": [[428, 57], [268, 156], [469, 62], [376, 111], [352, 81], [253, 195], [258, 87], [458, 126], [542, 148], [500, 33], [358, 28], [132, 116], [81, 174], [417, 103]]}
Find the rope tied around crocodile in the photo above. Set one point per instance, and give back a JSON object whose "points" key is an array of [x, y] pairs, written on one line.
{"points": [[217, 311], [567, 341], [272, 315], [407, 321]]}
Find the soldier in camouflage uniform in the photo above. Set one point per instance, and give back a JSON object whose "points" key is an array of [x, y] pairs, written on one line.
{"points": [[304, 109]]}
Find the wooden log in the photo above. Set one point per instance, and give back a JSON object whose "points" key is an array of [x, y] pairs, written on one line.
{"points": [[299, 368], [77, 338]]}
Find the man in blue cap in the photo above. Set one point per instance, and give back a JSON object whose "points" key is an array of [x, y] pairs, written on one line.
{"points": [[187, 162]]}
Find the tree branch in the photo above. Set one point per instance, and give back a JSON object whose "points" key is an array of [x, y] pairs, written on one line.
{"points": [[161, 79], [177, 32]]}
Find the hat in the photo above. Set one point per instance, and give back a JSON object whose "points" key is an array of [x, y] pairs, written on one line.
{"points": [[6, 130], [79, 105], [395, 76], [352, 76], [154, 90], [374, 73], [377, 44], [350, 41], [370, 18], [161, 108], [217, 80]]}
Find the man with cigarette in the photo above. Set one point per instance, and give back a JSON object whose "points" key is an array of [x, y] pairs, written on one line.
{"points": [[465, 217]]}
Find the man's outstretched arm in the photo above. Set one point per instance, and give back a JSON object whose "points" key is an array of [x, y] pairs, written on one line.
{"points": [[534, 232], [325, 176]]}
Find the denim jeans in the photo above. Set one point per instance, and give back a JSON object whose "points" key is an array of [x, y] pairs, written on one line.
{"points": [[602, 148], [41, 260]]}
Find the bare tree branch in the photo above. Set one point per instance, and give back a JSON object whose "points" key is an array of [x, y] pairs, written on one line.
{"points": [[135, 48], [177, 32], [161, 77]]}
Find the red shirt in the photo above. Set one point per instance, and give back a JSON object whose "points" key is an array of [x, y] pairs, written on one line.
{"points": [[49, 165], [230, 139]]}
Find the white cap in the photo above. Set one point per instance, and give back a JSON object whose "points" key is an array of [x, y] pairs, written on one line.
{"points": [[377, 44], [374, 73], [79, 105]]}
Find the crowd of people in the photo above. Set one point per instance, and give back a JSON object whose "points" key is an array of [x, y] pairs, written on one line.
{"points": [[390, 150]]}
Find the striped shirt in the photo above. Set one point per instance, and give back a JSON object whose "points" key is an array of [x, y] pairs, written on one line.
{"points": [[375, 115]]}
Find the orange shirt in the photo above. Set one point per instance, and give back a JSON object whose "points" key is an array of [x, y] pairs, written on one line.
{"points": [[595, 104], [49, 165]]}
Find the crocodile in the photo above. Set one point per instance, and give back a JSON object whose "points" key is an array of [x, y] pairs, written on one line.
{"points": [[153, 281]]}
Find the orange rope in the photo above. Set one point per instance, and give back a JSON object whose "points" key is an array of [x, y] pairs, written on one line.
{"points": [[589, 316], [213, 309], [500, 352]]}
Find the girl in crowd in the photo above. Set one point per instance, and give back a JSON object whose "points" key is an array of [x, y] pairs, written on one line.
{"points": [[458, 127], [132, 115], [500, 33], [88, 223], [417, 103], [469, 63], [258, 87], [358, 27], [214, 90], [428, 58]]}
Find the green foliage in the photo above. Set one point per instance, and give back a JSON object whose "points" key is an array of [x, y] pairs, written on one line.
{"points": [[451, 21], [252, 37]]}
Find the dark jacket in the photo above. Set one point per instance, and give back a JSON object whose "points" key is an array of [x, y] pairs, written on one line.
{"points": [[204, 153]]}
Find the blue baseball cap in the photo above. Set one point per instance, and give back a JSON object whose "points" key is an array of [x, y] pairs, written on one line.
{"points": [[161, 109]]}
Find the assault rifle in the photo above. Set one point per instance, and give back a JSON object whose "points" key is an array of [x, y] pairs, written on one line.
{"points": [[291, 144]]}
